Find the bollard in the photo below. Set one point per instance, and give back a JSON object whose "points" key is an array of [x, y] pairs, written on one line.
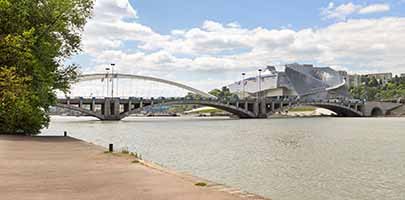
{"points": [[110, 148], [65, 133]]}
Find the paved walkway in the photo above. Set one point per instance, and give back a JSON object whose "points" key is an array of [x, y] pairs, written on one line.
{"points": [[58, 168]]}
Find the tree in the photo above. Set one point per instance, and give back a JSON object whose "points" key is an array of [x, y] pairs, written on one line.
{"points": [[215, 92], [395, 88], [36, 37], [18, 113], [224, 94]]}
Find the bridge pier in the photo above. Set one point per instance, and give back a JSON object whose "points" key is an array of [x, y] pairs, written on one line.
{"points": [[111, 109], [263, 109], [256, 109], [107, 107], [93, 105], [81, 102]]}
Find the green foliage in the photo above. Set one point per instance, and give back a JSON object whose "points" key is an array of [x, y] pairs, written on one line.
{"points": [[201, 184], [35, 38], [193, 96], [209, 110], [302, 109], [224, 94], [376, 90], [181, 108], [19, 110]]}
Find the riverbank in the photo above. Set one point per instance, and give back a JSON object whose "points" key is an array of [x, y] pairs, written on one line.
{"points": [[67, 168]]}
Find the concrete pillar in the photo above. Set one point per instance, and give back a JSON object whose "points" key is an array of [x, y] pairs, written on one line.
{"points": [[356, 106], [256, 109], [273, 106], [68, 101], [263, 108], [107, 107], [237, 104], [80, 102], [93, 105], [246, 105], [116, 107], [141, 104], [128, 106]]}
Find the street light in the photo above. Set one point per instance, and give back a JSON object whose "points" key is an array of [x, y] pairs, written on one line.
{"points": [[107, 69], [112, 80], [259, 84], [243, 85]]}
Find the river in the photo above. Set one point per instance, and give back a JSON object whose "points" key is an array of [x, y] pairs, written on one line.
{"points": [[283, 159]]}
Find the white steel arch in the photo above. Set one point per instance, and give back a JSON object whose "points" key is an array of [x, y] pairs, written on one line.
{"points": [[97, 76]]}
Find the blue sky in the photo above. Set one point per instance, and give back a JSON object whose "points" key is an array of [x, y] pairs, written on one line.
{"points": [[207, 44], [164, 16]]}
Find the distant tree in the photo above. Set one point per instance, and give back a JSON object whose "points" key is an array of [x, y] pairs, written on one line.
{"points": [[373, 82], [36, 36], [395, 88], [224, 94], [380, 83], [193, 96], [215, 92]]}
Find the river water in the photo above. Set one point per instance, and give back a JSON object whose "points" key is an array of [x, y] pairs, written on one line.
{"points": [[292, 159]]}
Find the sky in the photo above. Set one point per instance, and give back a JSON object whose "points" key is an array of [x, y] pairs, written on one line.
{"points": [[208, 44]]}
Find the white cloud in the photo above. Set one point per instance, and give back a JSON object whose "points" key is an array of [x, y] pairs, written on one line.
{"points": [[215, 52], [342, 11], [339, 12], [375, 8]]}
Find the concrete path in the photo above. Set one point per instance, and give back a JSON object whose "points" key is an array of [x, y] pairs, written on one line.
{"points": [[58, 168]]}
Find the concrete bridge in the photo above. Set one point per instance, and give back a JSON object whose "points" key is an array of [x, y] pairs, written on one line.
{"points": [[110, 108], [117, 109]]}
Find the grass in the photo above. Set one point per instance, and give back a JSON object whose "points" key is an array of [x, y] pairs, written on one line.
{"points": [[302, 109], [200, 184], [124, 151], [138, 157], [213, 110], [208, 110]]}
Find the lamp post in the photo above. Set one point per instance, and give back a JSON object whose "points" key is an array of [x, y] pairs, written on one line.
{"points": [[243, 85], [112, 80], [108, 70], [259, 84]]}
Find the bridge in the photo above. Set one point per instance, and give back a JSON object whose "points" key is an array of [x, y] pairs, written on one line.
{"points": [[114, 108]]}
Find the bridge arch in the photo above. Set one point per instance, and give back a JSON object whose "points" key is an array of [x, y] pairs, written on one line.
{"points": [[81, 110], [377, 112], [339, 109], [241, 113], [98, 76]]}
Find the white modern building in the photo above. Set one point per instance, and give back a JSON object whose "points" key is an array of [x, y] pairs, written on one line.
{"points": [[304, 81]]}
